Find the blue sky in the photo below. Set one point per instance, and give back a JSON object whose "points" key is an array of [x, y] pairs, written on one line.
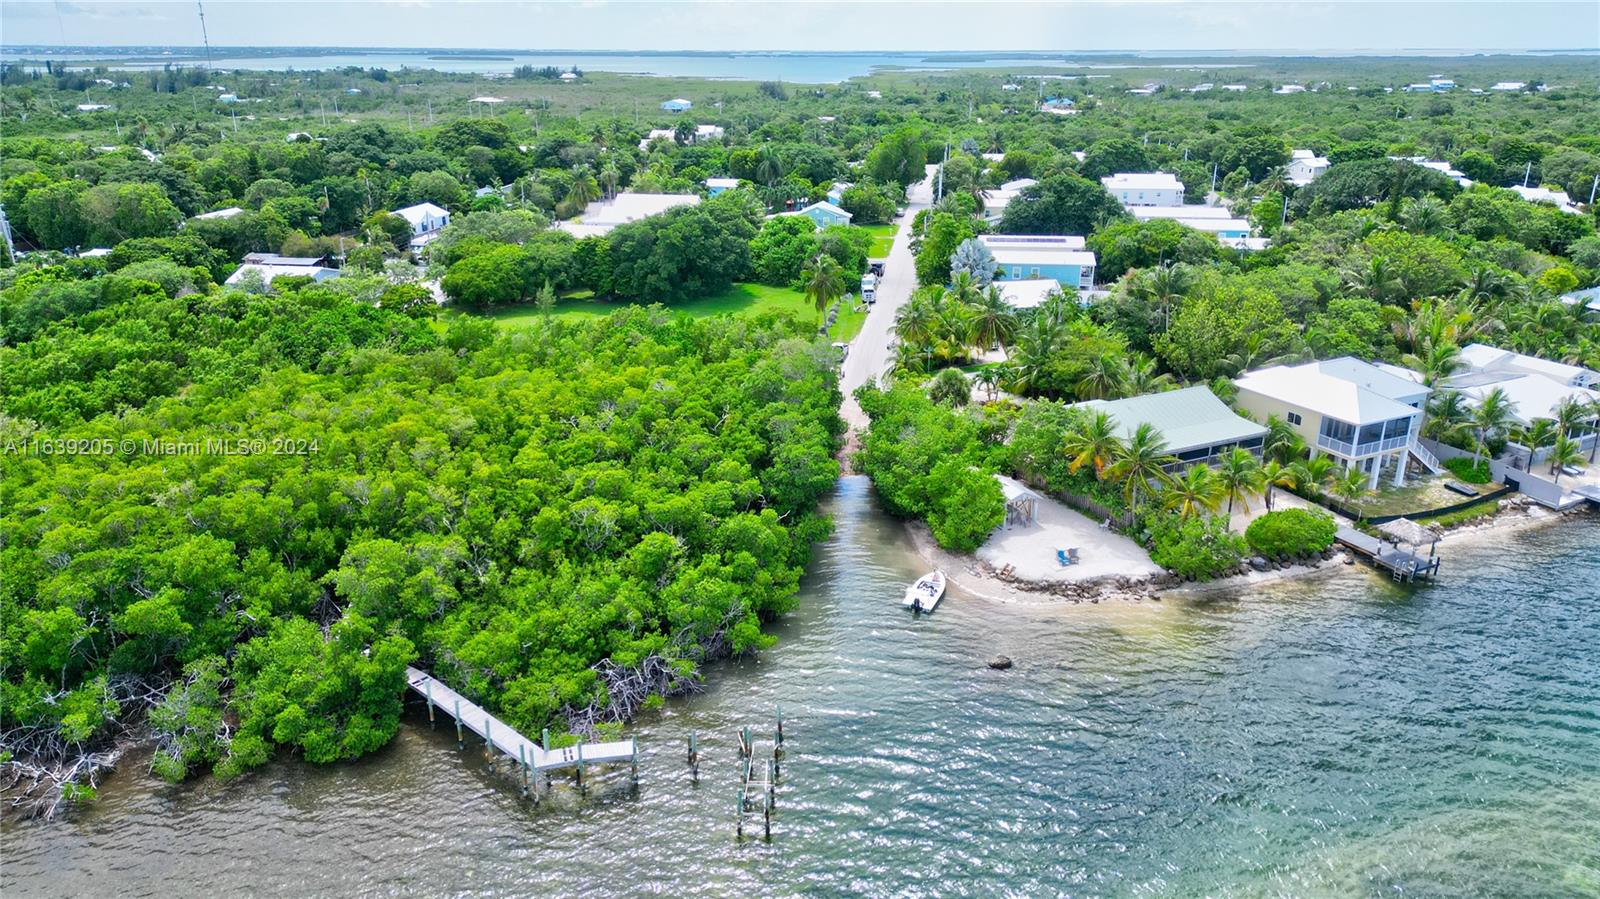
{"points": [[802, 25]]}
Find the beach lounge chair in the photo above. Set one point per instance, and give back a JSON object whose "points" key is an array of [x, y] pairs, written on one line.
{"points": [[1067, 556]]}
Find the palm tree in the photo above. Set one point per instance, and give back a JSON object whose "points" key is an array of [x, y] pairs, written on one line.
{"points": [[989, 378], [1490, 417], [1438, 362], [1350, 486], [1036, 346], [1241, 475], [1447, 413], [1103, 379], [1571, 412], [1424, 215], [1564, 453], [824, 281], [1541, 434], [584, 189], [1092, 441], [1376, 281], [769, 165], [1197, 490], [1139, 376], [1140, 462], [1273, 474], [610, 180], [1282, 442], [1163, 286], [1311, 476], [993, 320]]}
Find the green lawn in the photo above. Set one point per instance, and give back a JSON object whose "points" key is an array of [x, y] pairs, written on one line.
{"points": [[882, 239], [740, 299], [1417, 497]]}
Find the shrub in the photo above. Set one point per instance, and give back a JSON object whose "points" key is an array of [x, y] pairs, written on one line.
{"points": [[1199, 548], [1291, 532], [1463, 468]]}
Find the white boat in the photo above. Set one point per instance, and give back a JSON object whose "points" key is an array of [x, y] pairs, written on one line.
{"points": [[925, 593]]}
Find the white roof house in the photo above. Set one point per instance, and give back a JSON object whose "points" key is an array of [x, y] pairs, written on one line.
{"points": [[489, 101], [1508, 86], [1027, 293], [995, 201], [271, 265], [1049, 242], [1186, 211], [1589, 297], [426, 221], [95, 253], [1557, 198], [1236, 88], [1444, 168], [603, 215], [1290, 89], [92, 107], [226, 212], [1304, 166], [676, 104], [1195, 424], [1530, 396], [1145, 188], [568, 76], [1479, 357]]}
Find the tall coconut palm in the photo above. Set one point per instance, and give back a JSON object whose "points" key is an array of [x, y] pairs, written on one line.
{"points": [[1537, 436], [993, 320], [1490, 417], [1424, 215], [610, 180], [1196, 491], [584, 189], [1241, 475], [1140, 462], [1565, 452], [823, 280], [1448, 412], [769, 165], [1571, 412], [1164, 286], [1092, 441], [1273, 475], [1103, 379]]}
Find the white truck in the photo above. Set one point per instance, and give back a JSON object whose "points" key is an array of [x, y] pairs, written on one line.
{"points": [[869, 288]]}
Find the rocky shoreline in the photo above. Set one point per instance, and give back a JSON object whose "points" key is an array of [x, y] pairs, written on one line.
{"points": [[979, 578]]}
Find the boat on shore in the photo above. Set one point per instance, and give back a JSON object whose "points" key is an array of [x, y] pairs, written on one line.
{"points": [[925, 593]]}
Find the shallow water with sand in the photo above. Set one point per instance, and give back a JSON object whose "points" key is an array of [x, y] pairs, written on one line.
{"points": [[1336, 736]]}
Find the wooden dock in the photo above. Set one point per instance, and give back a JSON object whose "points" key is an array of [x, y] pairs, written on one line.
{"points": [[500, 738], [1401, 565]]}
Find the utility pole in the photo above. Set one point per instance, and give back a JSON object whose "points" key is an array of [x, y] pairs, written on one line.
{"points": [[1527, 173], [1592, 187], [5, 233], [939, 193], [1285, 220]]}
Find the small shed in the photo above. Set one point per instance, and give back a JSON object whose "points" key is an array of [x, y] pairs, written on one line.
{"points": [[1022, 504]]}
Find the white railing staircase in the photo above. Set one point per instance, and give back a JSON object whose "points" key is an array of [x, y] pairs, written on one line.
{"points": [[1428, 459]]}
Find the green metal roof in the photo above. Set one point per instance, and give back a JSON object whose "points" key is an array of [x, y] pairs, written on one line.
{"points": [[1190, 418]]}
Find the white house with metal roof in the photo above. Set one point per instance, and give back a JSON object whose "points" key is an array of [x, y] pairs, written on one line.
{"points": [[1304, 167], [272, 265], [1145, 188], [1480, 357], [1557, 198], [1210, 219], [426, 221], [1363, 416], [1196, 426], [1027, 293]]}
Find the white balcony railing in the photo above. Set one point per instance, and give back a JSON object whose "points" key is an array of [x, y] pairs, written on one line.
{"points": [[1357, 450]]}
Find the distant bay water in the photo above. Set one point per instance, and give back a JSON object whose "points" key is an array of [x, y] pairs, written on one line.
{"points": [[815, 68]]}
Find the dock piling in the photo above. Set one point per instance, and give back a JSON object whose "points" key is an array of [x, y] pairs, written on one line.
{"points": [[461, 743], [427, 687], [694, 760]]}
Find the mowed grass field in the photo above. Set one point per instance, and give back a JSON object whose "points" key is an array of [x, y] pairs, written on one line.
{"points": [[740, 299], [882, 239]]}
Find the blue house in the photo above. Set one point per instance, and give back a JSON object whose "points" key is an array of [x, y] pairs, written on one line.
{"points": [[716, 186], [1061, 258], [824, 214], [676, 105]]}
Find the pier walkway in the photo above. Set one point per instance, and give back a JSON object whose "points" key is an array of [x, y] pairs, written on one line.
{"points": [[504, 739], [1401, 565]]}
